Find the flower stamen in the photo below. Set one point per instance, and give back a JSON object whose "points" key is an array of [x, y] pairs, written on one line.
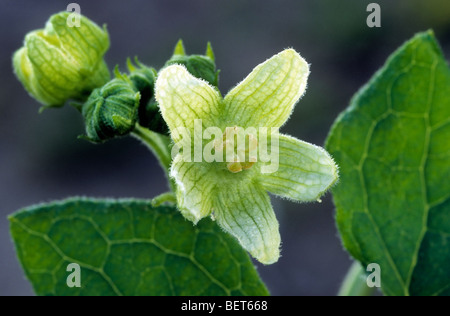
{"points": [[242, 151]]}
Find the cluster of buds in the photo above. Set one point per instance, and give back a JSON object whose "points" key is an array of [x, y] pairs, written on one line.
{"points": [[65, 62]]}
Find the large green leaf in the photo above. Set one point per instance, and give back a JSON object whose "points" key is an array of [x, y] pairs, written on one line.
{"points": [[393, 148], [127, 247]]}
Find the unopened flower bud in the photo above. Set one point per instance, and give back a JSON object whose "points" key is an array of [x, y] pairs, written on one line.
{"points": [[60, 62], [143, 79], [200, 66], [111, 110]]}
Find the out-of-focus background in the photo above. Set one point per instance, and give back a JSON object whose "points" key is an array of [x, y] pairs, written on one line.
{"points": [[41, 158]]}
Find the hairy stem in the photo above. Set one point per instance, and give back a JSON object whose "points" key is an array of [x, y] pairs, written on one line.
{"points": [[168, 197], [354, 283], [160, 146]]}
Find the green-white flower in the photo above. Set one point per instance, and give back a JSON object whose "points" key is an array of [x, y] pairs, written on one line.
{"points": [[236, 195], [61, 62]]}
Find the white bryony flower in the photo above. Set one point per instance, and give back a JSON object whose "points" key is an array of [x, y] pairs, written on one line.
{"points": [[235, 193]]}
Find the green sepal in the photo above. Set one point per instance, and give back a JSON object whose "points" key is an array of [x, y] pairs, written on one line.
{"points": [[179, 48], [200, 66]]}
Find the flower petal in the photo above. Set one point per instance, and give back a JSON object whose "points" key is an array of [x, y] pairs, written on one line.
{"points": [[86, 42], [184, 98], [268, 94], [195, 185], [305, 171], [246, 213]]}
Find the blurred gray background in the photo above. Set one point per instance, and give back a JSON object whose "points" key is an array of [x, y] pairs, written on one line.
{"points": [[41, 158]]}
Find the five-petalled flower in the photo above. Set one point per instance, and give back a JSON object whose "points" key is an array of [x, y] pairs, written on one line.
{"points": [[235, 193]]}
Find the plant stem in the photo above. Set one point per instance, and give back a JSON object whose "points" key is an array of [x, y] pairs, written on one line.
{"points": [[160, 146], [354, 283], [168, 197]]}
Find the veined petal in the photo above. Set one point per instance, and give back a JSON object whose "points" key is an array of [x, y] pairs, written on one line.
{"points": [[246, 213], [24, 69], [268, 94], [305, 171], [87, 43], [195, 185], [184, 98], [54, 76], [49, 60]]}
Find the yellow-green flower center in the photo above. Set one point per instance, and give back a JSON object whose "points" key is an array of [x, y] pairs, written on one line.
{"points": [[239, 148]]}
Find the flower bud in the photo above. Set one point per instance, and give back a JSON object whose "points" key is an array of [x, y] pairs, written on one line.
{"points": [[143, 79], [150, 117], [200, 66], [111, 110], [60, 62]]}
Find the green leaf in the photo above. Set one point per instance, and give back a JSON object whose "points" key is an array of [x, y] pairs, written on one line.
{"points": [[392, 146], [127, 247]]}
